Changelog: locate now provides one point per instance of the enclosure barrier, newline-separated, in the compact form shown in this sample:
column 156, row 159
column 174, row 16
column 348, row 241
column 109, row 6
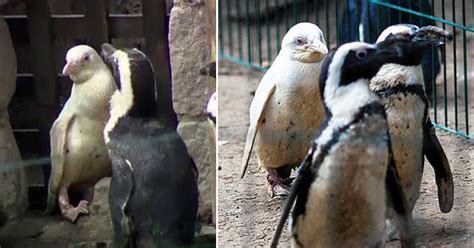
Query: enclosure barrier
column 250, row 33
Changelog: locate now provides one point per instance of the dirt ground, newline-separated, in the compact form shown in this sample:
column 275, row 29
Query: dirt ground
column 35, row 230
column 248, row 217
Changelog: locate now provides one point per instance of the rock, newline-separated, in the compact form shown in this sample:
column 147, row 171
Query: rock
column 190, row 43
column 196, row 135
column 95, row 228
column 190, row 50
column 13, row 188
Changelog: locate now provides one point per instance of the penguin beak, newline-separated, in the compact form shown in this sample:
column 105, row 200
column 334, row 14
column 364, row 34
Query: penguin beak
column 317, row 46
column 70, row 67
column 432, row 35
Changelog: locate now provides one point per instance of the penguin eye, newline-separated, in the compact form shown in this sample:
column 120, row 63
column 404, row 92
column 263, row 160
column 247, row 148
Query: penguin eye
column 361, row 54
column 85, row 58
column 299, row 41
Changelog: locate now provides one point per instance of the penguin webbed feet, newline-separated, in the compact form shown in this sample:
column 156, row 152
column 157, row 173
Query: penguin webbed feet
column 278, row 186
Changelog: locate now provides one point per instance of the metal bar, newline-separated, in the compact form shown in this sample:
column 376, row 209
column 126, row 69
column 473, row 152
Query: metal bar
column 417, row 13
column 295, row 12
column 249, row 38
column 466, row 98
column 433, row 76
column 306, row 11
column 268, row 33
column 242, row 62
column 326, row 15
column 316, row 11
column 453, row 131
column 277, row 21
column 229, row 28
column 445, row 83
column 239, row 28
column 337, row 20
column 221, row 31
column 287, row 24
column 455, row 70
column 259, row 32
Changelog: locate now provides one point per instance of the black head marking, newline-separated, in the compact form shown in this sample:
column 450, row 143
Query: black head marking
column 143, row 84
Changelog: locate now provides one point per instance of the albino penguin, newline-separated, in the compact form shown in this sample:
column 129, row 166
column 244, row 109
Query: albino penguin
column 401, row 89
column 286, row 109
column 78, row 154
column 348, row 175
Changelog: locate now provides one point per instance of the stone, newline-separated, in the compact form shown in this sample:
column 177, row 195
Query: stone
column 190, row 50
column 196, row 134
column 13, row 188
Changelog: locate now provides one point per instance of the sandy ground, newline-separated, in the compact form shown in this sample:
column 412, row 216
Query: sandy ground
column 248, row 217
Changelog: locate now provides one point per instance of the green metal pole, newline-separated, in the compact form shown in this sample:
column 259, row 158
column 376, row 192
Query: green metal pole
column 259, row 33
column 229, row 28
column 445, row 83
column 433, row 76
column 277, row 21
column 239, row 29
column 466, row 87
column 337, row 20
column 267, row 26
column 221, row 39
column 328, row 34
column 249, row 37
column 455, row 71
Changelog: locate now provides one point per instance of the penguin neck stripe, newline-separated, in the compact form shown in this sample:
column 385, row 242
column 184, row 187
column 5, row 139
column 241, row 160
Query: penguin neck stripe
column 126, row 88
column 400, row 88
column 374, row 108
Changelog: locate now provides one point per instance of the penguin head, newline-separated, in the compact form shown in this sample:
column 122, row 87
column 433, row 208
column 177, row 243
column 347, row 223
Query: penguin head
column 407, row 30
column 347, row 69
column 135, row 80
column 82, row 62
column 305, row 43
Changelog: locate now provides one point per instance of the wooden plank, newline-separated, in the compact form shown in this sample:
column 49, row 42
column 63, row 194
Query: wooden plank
column 41, row 54
column 67, row 27
column 155, row 29
column 96, row 22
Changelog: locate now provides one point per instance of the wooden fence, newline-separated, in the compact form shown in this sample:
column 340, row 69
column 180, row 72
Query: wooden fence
column 41, row 40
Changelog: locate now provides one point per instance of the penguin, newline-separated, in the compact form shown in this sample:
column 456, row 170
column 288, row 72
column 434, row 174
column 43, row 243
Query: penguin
column 348, row 175
column 401, row 89
column 79, row 158
column 286, row 109
column 153, row 191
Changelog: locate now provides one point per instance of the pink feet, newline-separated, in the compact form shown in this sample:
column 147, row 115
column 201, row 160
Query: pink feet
column 72, row 213
column 67, row 210
column 277, row 185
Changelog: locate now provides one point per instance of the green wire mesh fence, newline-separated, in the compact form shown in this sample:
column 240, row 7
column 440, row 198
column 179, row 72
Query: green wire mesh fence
column 250, row 33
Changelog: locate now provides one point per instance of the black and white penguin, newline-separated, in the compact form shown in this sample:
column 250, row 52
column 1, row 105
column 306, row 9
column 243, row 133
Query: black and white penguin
column 349, row 175
column 401, row 88
column 153, row 192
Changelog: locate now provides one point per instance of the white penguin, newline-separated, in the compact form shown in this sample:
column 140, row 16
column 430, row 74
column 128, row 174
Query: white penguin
column 79, row 157
column 286, row 109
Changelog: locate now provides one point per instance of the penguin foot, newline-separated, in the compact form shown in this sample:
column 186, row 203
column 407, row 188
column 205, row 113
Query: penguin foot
column 276, row 185
column 72, row 214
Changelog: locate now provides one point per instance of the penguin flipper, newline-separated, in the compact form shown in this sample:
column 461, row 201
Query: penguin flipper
column 259, row 102
column 436, row 156
column 295, row 189
column 400, row 204
column 58, row 137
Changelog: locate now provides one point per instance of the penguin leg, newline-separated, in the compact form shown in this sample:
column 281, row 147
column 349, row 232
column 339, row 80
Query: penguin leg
column 277, row 185
column 67, row 210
